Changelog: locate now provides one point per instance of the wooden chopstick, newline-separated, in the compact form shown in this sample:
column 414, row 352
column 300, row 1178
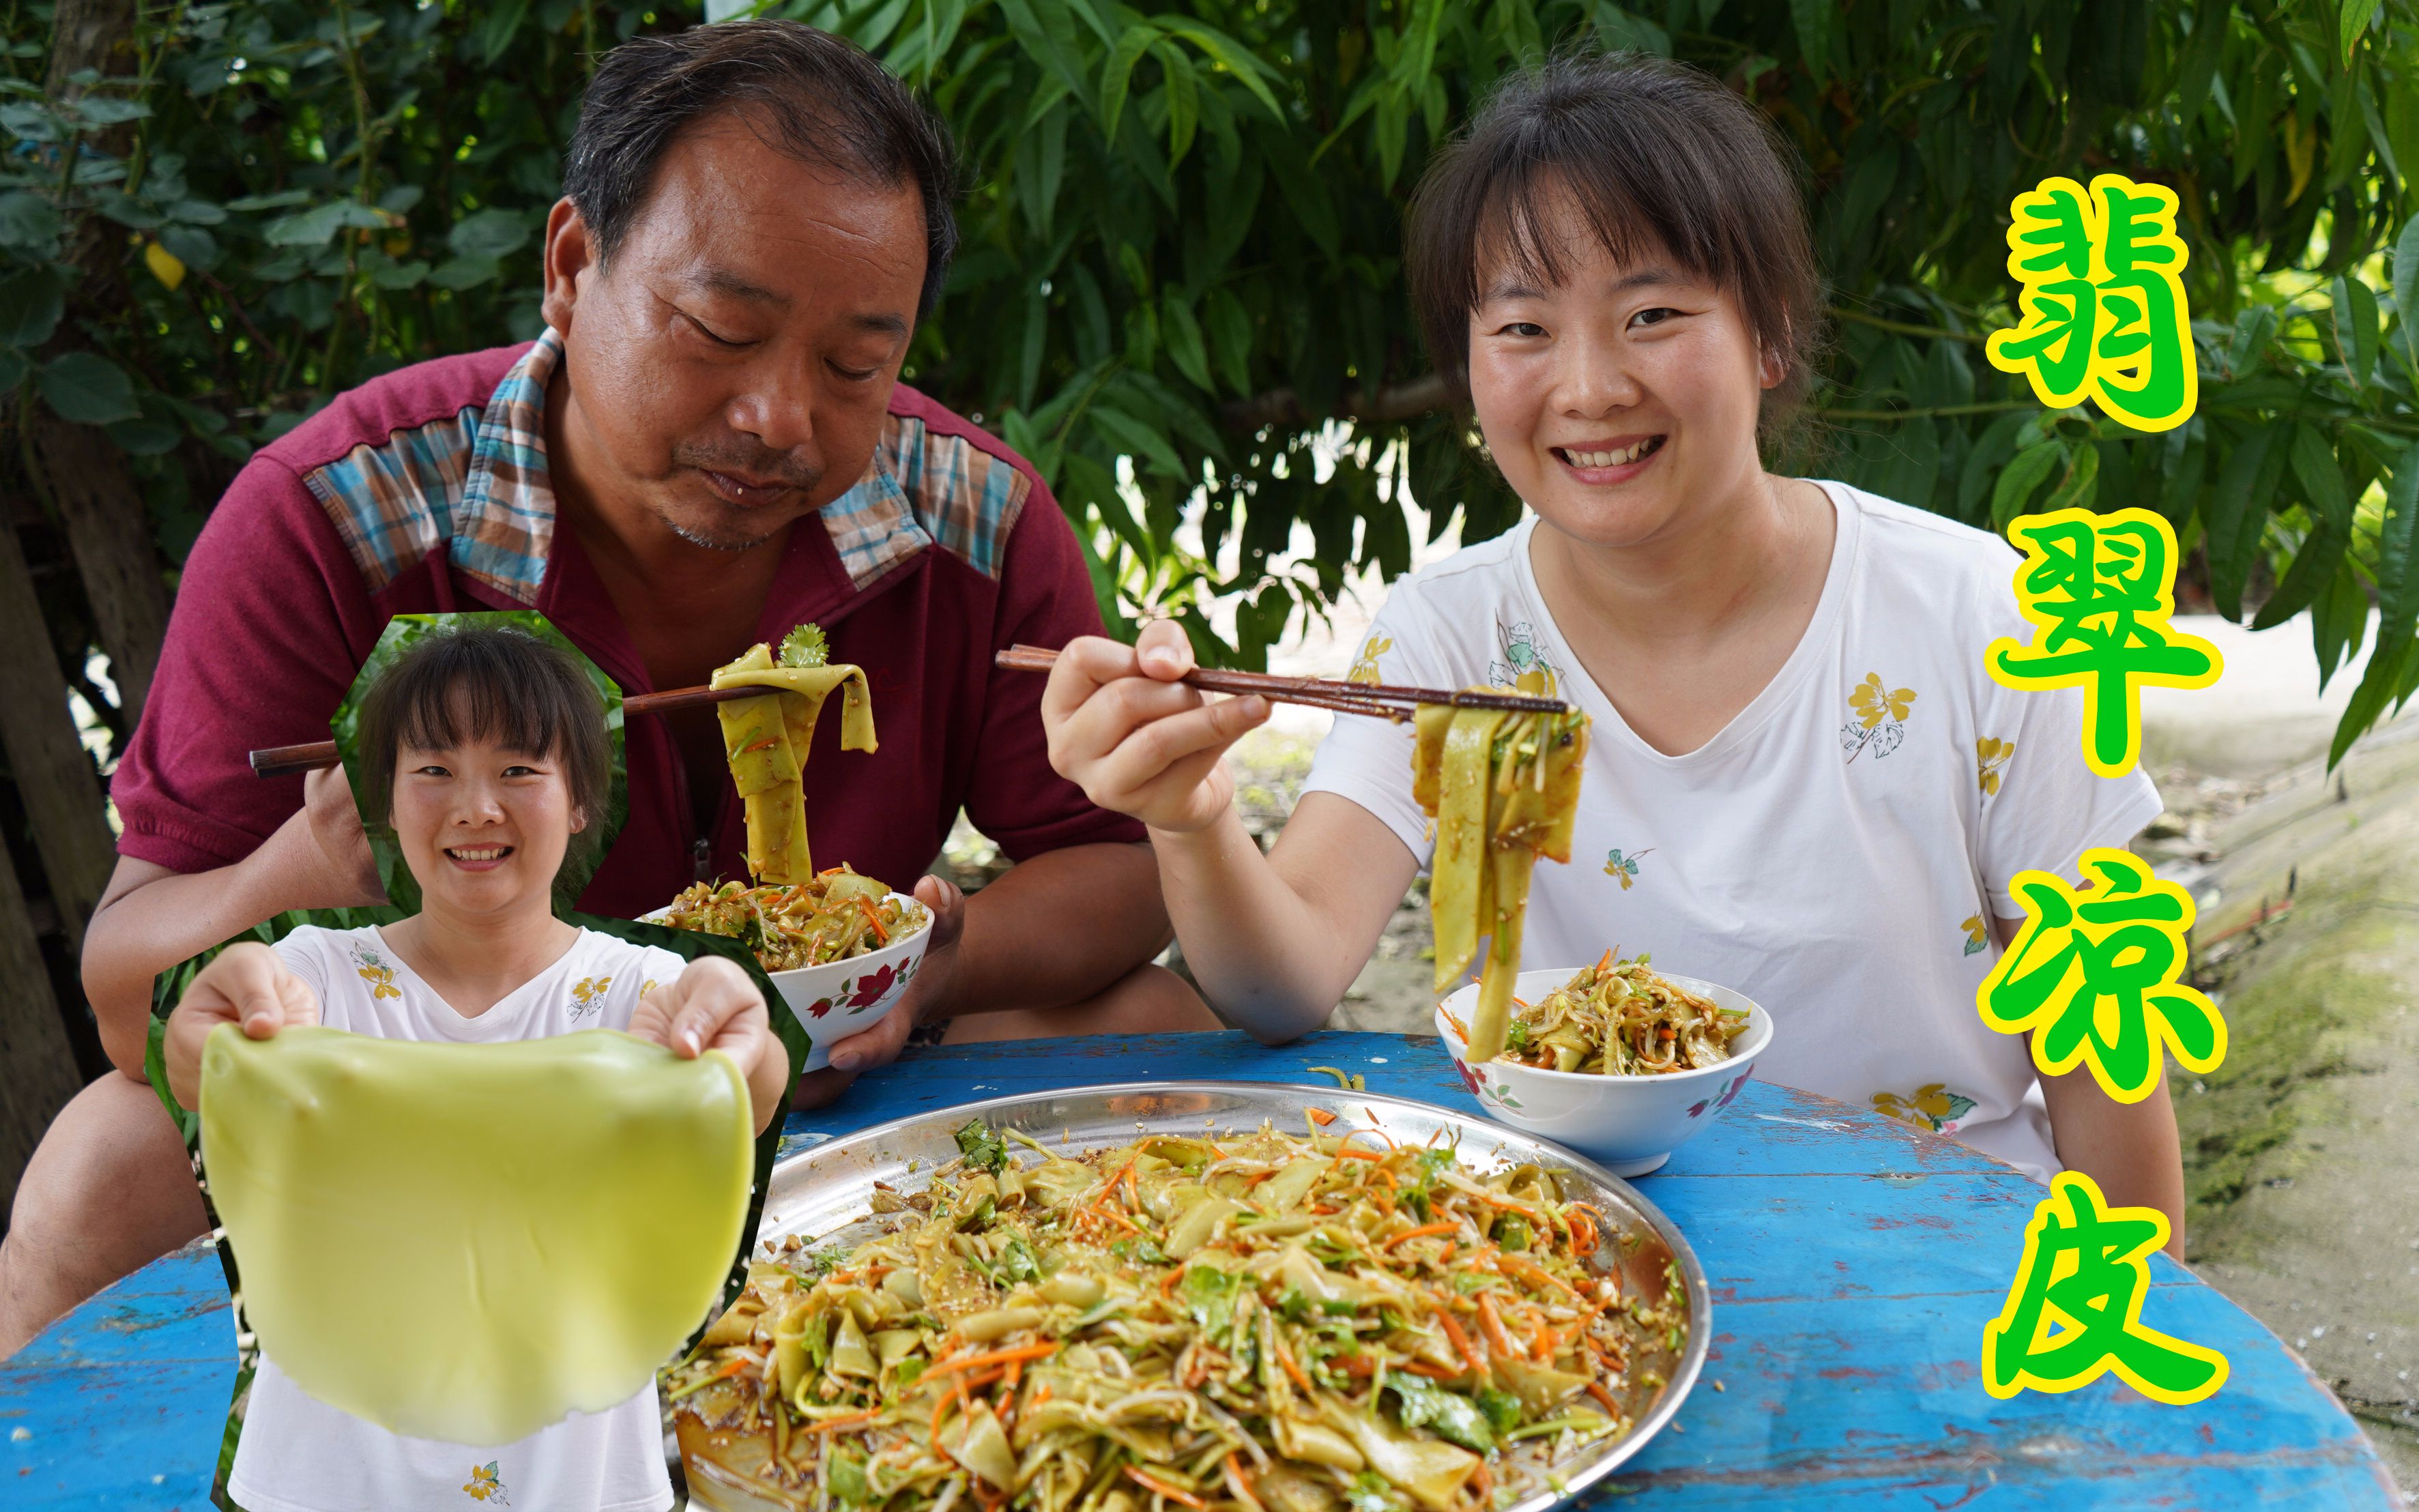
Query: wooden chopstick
column 1383, row 701
column 1386, row 701
column 286, row 761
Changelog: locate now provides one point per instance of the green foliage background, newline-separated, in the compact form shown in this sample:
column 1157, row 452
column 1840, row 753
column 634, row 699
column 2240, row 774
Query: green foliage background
column 1181, row 256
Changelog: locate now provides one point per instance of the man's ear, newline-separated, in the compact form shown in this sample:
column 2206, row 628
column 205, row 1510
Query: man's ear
column 568, row 253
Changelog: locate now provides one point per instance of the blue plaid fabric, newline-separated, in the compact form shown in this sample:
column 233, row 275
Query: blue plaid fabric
column 478, row 483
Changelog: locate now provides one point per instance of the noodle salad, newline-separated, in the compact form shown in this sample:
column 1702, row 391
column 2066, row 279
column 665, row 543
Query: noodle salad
column 837, row 914
column 1267, row 1323
column 1618, row 1018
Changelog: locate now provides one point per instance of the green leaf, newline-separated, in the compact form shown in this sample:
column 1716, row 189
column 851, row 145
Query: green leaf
column 2321, row 480
column 1982, row 464
column 2229, row 514
column 2081, row 482
column 87, row 389
column 26, row 220
column 491, row 233
column 2406, row 289
column 496, row 33
column 1229, row 330
column 13, row 368
column 318, row 226
column 2313, row 565
column 2355, row 322
column 984, row 1149
column 1812, row 19
column 459, row 273
column 1137, row 439
column 2338, row 620
column 30, row 306
column 1117, row 74
column 2397, row 551
column 144, row 438
column 2388, row 665
column 1231, row 55
column 2018, row 480
column 1447, row 1415
column 2252, row 330
column 1182, row 333
column 2356, row 17
column 102, row 111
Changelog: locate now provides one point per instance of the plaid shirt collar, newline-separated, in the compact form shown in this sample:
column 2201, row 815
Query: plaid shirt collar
column 505, row 529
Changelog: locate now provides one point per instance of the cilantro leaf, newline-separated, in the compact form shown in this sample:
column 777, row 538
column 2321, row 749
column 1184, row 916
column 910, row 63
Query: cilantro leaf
column 805, row 647
column 984, row 1150
column 1502, row 1409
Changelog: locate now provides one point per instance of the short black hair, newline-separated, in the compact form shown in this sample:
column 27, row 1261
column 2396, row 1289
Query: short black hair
column 826, row 100
column 1658, row 156
column 499, row 683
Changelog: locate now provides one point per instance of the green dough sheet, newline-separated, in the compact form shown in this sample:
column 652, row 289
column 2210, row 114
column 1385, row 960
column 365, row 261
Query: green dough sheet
column 466, row 1242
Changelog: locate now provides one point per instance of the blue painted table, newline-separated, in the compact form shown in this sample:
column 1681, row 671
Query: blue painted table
column 1853, row 1262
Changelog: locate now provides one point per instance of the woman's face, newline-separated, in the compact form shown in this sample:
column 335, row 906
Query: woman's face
column 1621, row 401
column 482, row 827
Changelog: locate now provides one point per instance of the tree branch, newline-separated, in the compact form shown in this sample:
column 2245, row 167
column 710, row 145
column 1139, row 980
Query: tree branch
column 1394, row 402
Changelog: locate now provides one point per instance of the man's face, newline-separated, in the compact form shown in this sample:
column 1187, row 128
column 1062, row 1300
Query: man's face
column 730, row 369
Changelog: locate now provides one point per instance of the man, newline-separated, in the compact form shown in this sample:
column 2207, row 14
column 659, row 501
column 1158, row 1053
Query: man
column 707, row 446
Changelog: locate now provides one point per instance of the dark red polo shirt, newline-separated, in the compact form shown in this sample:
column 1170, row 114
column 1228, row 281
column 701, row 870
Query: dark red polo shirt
column 425, row 490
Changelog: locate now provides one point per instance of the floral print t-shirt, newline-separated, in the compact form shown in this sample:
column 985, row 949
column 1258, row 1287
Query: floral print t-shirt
column 1837, row 851
column 297, row 1454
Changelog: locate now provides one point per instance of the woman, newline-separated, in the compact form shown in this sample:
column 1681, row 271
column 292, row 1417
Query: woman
column 1787, row 789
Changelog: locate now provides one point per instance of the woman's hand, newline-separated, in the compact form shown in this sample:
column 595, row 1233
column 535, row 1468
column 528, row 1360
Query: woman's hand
column 246, row 985
column 880, row 1046
column 1136, row 738
column 712, row 1005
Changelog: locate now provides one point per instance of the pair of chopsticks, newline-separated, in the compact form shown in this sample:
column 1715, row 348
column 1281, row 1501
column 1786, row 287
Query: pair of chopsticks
column 1383, row 701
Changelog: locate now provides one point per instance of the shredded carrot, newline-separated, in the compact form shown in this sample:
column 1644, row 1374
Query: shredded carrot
column 874, row 920
column 1493, row 1323
column 1321, row 1117
column 1380, row 1132
column 1530, row 1272
column 1239, row 1482
column 1430, row 1369
column 1605, row 1397
column 1458, row 1027
column 1114, row 1216
column 1604, row 965
column 976, row 1362
column 765, row 744
column 1041, row 1394
column 1161, row 1487
column 1462, row 1342
column 1284, row 1358
column 1347, row 1152
column 1421, row 1232
column 733, row 1366
column 829, row 1423
column 1483, row 1483
column 832, row 870
column 1167, row 1283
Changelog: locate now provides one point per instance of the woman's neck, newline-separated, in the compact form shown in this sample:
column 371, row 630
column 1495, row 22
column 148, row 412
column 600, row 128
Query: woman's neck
column 476, row 961
column 1683, row 630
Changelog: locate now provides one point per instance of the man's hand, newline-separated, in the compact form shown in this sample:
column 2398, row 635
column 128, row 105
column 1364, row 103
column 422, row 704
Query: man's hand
column 345, row 868
column 1137, row 740
column 880, row 1046
column 246, row 985
column 712, row 1005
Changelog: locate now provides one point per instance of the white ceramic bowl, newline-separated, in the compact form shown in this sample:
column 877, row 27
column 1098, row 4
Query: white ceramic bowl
column 1627, row 1125
column 844, row 997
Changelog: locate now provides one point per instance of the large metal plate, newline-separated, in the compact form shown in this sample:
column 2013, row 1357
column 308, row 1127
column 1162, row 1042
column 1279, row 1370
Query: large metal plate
column 823, row 1196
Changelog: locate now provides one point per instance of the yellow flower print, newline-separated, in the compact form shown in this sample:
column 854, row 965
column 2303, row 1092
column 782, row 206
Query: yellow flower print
column 1364, row 666
column 1977, row 934
column 1933, row 1107
column 1872, row 704
column 1989, row 755
column 588, row 994
column 1624, row 868
column 381, row 980
column 486, row 1485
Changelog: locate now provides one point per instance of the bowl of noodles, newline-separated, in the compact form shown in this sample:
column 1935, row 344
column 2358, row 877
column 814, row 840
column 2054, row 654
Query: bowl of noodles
column 841, row 949
column 1615, row 1060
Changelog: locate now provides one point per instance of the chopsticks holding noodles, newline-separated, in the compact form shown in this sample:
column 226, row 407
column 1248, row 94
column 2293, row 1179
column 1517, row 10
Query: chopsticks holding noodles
column 1384, row 701
column 286, row 761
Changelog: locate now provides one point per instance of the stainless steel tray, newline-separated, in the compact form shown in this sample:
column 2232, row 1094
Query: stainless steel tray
column 823, row 1195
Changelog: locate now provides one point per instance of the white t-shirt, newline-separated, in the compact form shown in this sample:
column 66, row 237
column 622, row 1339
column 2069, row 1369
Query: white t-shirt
column 297, row 1454
column 1831, row 851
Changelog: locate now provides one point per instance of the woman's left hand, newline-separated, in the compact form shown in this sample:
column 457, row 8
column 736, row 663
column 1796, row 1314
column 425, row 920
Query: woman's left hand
column 714, row 1006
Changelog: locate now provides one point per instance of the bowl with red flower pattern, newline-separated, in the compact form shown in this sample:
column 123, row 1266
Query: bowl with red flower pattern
column 848, row 996
column 1627, row 1125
